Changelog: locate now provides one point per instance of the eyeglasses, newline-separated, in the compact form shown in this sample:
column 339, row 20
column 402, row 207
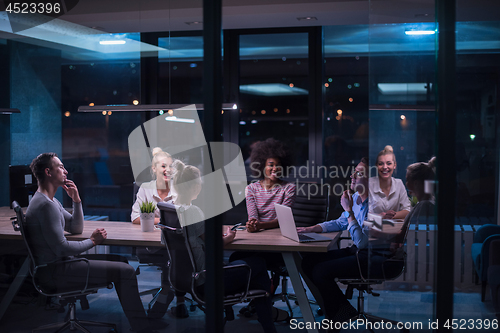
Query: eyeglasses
column 357, row 174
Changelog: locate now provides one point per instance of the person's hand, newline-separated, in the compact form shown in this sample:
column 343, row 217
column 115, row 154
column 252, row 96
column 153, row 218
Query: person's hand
column 389, row 214
column 70, row 188
column 253, row 225
column 230, row 234
column 314, row 228
column 346, row 201
column 304, row 229
column 98, row 236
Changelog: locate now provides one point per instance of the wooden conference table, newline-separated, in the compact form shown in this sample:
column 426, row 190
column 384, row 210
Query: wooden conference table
column 128, row 234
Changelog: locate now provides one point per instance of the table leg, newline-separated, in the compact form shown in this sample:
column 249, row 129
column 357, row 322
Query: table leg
column 14, row 287
column 292, row 259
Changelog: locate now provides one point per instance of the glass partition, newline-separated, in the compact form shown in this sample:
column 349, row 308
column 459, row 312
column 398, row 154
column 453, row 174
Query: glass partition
column 273, row 91
column 402, row 112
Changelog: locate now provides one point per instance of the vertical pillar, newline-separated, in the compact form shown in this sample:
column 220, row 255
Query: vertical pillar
column 446, row 170
column 212, row 127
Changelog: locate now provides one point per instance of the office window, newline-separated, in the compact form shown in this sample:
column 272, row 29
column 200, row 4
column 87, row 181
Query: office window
column 273, row 91
column 95, row 145
column 180, row 70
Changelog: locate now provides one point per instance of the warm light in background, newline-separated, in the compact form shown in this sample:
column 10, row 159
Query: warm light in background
column 287, row 110
column 91, row 104
column 351, row 99
column 222, row 112
column 339, row 112
column 67, row 113
column 263, row 111
column 403, row 117
column 109, row 113
column 275, row 109
column 253, row 112
column 170, row 112
column 103, row 113
column 291, row 85
column 327, row 85
column 135, row 102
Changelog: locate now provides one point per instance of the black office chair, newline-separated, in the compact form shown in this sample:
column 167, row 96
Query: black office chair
column 377, row 273
column 183, row 273
column 66, row 297
column 310, row 208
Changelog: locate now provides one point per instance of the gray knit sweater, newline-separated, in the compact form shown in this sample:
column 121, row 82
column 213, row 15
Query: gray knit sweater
column 46, row 221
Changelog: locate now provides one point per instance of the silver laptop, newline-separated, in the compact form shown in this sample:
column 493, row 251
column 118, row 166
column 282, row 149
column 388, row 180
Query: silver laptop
column 289, row 230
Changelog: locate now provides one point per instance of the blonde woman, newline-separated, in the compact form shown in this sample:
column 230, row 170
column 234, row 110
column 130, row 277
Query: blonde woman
column 387, row 195
column 187, row 184
column 159, row 190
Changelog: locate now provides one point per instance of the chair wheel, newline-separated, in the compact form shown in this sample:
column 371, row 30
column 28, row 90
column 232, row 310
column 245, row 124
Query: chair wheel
column 320, row 312
column 192, row 308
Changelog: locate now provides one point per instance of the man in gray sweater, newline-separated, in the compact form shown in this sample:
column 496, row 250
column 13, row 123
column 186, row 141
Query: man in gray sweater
column 46, row 221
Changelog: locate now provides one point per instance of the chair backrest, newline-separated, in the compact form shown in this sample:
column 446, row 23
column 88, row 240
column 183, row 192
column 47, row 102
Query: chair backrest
column 311, row 204
column 136, row 189
column 20, row 223
column 182, row 265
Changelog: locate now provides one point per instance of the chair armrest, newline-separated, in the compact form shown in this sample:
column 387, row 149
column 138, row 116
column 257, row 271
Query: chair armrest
column 85, row 289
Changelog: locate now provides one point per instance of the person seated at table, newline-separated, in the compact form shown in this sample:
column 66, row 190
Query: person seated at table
column 387, row 194
column 47, row 219
column 322, row 268
column 158, row 190
column 416, row 175
column 269, row 161
column 187, row 184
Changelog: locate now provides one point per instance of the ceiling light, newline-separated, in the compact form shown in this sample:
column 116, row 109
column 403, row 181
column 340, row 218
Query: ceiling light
column 180, row 120
column 9, row 111
column 145, row 107
column 419, row 32
column 307, row 18
column 272, row 89
column 403, row 88
column 112, row 42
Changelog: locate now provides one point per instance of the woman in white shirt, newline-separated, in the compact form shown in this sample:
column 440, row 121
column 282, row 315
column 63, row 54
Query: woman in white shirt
column 387, row 195
column 159, row 188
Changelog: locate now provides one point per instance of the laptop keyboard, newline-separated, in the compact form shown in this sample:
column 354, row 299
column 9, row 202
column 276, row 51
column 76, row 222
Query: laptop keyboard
column 303, row 237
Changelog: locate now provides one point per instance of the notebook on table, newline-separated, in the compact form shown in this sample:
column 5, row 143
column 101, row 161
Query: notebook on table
column 289, row 230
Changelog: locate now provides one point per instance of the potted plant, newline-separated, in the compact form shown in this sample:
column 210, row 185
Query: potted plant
column 147, row 215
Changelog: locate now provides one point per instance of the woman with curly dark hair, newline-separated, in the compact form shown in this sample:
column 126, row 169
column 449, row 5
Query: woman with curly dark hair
column 269, row 161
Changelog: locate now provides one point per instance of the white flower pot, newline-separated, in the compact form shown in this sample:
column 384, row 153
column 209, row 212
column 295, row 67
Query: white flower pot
column 147, row 222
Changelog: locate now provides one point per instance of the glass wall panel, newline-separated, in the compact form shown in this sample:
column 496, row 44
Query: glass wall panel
column 95, row 145
column 402, row 71
column 345, row 117
column 274, row 89
column 180, row 70
column 477, row 163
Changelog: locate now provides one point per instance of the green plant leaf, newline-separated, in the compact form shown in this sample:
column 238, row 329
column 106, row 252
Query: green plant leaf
column 147, row 207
